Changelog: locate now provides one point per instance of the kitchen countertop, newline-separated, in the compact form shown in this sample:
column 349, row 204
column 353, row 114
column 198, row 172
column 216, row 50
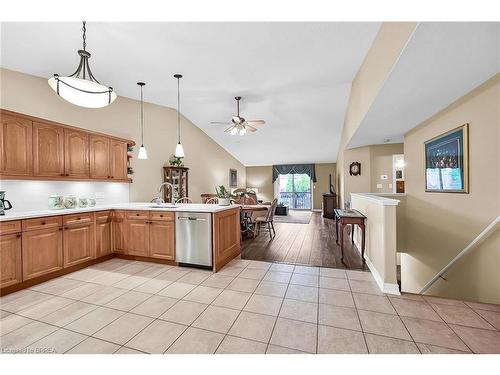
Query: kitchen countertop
column 184, row 207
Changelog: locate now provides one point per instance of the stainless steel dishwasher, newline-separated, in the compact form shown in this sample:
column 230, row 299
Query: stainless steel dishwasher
column 193, row 239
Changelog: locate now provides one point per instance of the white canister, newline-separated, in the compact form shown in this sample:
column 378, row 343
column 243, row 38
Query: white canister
column 56, row 202
column 91, row 202
column 70, row 201
column 224, row 201
column 83, row 202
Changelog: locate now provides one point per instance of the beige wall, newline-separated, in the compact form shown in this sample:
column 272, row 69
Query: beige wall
column 262, row 179
column 322, row 185
column 383, row 54
column 209, row 163
column 440, row 225
column 381, row 164
column 375, row 160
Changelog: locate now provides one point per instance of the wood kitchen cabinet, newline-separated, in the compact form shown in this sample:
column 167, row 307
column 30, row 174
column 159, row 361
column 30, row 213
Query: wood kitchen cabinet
column 118, row 160
column 137, row 237
column 10, row 259
column 118, row 232
column 100, row 157
column 48, row 150
column 226, row 233
column 76, row 154
column 42, row 251
column 78, row 239
column 16, row 146
column 103, row 234
column 162, row 239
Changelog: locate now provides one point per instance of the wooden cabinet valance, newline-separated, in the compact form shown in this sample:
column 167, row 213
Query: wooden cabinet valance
column 38, row 149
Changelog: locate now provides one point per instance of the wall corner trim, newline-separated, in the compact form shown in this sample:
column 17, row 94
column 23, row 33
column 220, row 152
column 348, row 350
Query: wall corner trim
column 387, row 288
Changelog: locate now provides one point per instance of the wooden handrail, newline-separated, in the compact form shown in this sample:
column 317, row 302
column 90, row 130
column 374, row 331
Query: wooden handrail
column 476, row 241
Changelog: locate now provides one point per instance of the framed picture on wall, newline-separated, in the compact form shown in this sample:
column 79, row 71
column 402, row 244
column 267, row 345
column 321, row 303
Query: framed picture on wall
column 233, row 178
column 447, row 162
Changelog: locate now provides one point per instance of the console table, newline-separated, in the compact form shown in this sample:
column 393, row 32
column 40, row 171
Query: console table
column 349, row 217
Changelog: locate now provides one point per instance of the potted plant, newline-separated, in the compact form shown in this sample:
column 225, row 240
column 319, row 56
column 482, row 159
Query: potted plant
column 175, row 161
column 130, row 150
column 223, row 195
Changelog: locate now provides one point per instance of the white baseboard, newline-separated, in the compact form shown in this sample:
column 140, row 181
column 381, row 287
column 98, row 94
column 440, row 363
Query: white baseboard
column 317, row 210
column 387, row 288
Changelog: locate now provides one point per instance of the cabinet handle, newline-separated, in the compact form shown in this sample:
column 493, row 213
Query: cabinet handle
column 18, row 235
column 161, row 215
column 43, row 222
column 67, row 174
column 66, row 228
column 60, row 228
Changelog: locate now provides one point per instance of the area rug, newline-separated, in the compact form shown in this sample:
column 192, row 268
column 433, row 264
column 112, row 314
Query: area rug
column 294, row 217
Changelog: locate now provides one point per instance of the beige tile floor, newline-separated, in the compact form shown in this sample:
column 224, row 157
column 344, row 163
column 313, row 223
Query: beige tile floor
column 122, row 306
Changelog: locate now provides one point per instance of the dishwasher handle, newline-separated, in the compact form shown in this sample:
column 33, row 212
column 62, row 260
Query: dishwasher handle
column 191, row 218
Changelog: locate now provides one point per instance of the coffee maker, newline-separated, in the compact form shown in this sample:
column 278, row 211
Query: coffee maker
column 4, row 203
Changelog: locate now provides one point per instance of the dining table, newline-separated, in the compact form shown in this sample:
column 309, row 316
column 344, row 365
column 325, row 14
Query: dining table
column 247, row 225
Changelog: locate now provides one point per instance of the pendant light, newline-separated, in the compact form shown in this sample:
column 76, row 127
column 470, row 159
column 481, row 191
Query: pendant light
column 179, row 150
column 81, row 88
column 142, row 150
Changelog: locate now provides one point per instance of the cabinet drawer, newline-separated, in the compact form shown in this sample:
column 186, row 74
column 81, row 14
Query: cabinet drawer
column 78, row 219
column 137, row 215
column 165, row 216
column 8, row 227
column 42, row 223
column 103, row 216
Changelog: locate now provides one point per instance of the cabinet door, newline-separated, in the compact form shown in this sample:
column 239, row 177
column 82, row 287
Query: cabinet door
column 118, row 232
column 42, row 252
column 99, row 157
column 162, row 240
column 103, row 238
column 118, row 163
column 48, row 150
column 137, row 237
column 76, row 154
column 15, row 146
column 10, row 260
column 78, row 244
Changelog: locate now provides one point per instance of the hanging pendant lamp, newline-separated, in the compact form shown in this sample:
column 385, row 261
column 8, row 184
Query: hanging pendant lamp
column 179, row 150
column 81, row 88
column 142, row 150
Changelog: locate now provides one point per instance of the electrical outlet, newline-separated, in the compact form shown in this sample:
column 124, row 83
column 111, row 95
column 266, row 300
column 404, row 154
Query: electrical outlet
column 390, row 186
column 379, row 186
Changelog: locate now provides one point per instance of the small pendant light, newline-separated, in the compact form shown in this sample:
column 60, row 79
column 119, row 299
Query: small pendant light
column 179, row 150
column 142, row 150
column 82, row 88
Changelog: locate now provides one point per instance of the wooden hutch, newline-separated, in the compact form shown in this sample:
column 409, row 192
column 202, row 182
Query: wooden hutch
column 178, row 177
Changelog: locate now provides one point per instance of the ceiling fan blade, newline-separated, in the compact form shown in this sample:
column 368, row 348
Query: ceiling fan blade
column 228, row 129
column 256, row 122
column 220, row 123
column 250, row 128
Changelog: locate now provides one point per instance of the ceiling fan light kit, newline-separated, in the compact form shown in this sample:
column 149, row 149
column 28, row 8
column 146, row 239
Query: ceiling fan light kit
column 239, row 126
column 82, row 88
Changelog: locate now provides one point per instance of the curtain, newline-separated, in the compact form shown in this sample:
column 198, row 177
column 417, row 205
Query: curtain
column 294, row 168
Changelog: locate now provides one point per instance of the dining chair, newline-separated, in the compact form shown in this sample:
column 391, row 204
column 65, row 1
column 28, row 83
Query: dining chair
column 184, row 200
column 213, row 200
column 267, row 220
column 249, row 199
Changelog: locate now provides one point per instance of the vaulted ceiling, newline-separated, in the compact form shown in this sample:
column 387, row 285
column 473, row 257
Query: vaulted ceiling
column 295, row 76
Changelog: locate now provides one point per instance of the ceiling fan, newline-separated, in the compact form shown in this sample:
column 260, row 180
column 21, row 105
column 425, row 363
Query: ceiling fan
column 239, row 126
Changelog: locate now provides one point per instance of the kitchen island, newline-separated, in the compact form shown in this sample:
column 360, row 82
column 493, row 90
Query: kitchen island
column 42, row 244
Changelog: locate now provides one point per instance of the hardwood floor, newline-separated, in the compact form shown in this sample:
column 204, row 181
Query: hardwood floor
column 312, row 244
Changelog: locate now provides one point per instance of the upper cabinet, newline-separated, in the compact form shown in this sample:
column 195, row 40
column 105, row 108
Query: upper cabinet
column 16, row 156
column 76, row 153
column 99, row 157
column 48, row 150
column 119, row 160
column 33, row 148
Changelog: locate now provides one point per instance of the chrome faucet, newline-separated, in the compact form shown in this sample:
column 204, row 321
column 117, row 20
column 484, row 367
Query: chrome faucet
column 159, row 200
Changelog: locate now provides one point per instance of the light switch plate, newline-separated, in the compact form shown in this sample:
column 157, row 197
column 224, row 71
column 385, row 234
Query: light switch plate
column 390, row 186
column 383, row 177
column 379, row 186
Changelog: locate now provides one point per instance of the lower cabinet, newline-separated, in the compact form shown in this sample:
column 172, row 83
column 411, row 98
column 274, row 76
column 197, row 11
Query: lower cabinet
column 137, row 237
column 42, row 252
column 162, row 240
column 103, row 234
column 10, row 259
column 79, row 245
column 118, row 232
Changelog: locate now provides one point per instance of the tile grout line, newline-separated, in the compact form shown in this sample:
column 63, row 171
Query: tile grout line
column 404, row 325
column 359, row 319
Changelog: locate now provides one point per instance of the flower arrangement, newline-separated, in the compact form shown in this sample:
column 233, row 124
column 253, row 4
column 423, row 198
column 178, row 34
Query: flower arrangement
column 175, row 161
